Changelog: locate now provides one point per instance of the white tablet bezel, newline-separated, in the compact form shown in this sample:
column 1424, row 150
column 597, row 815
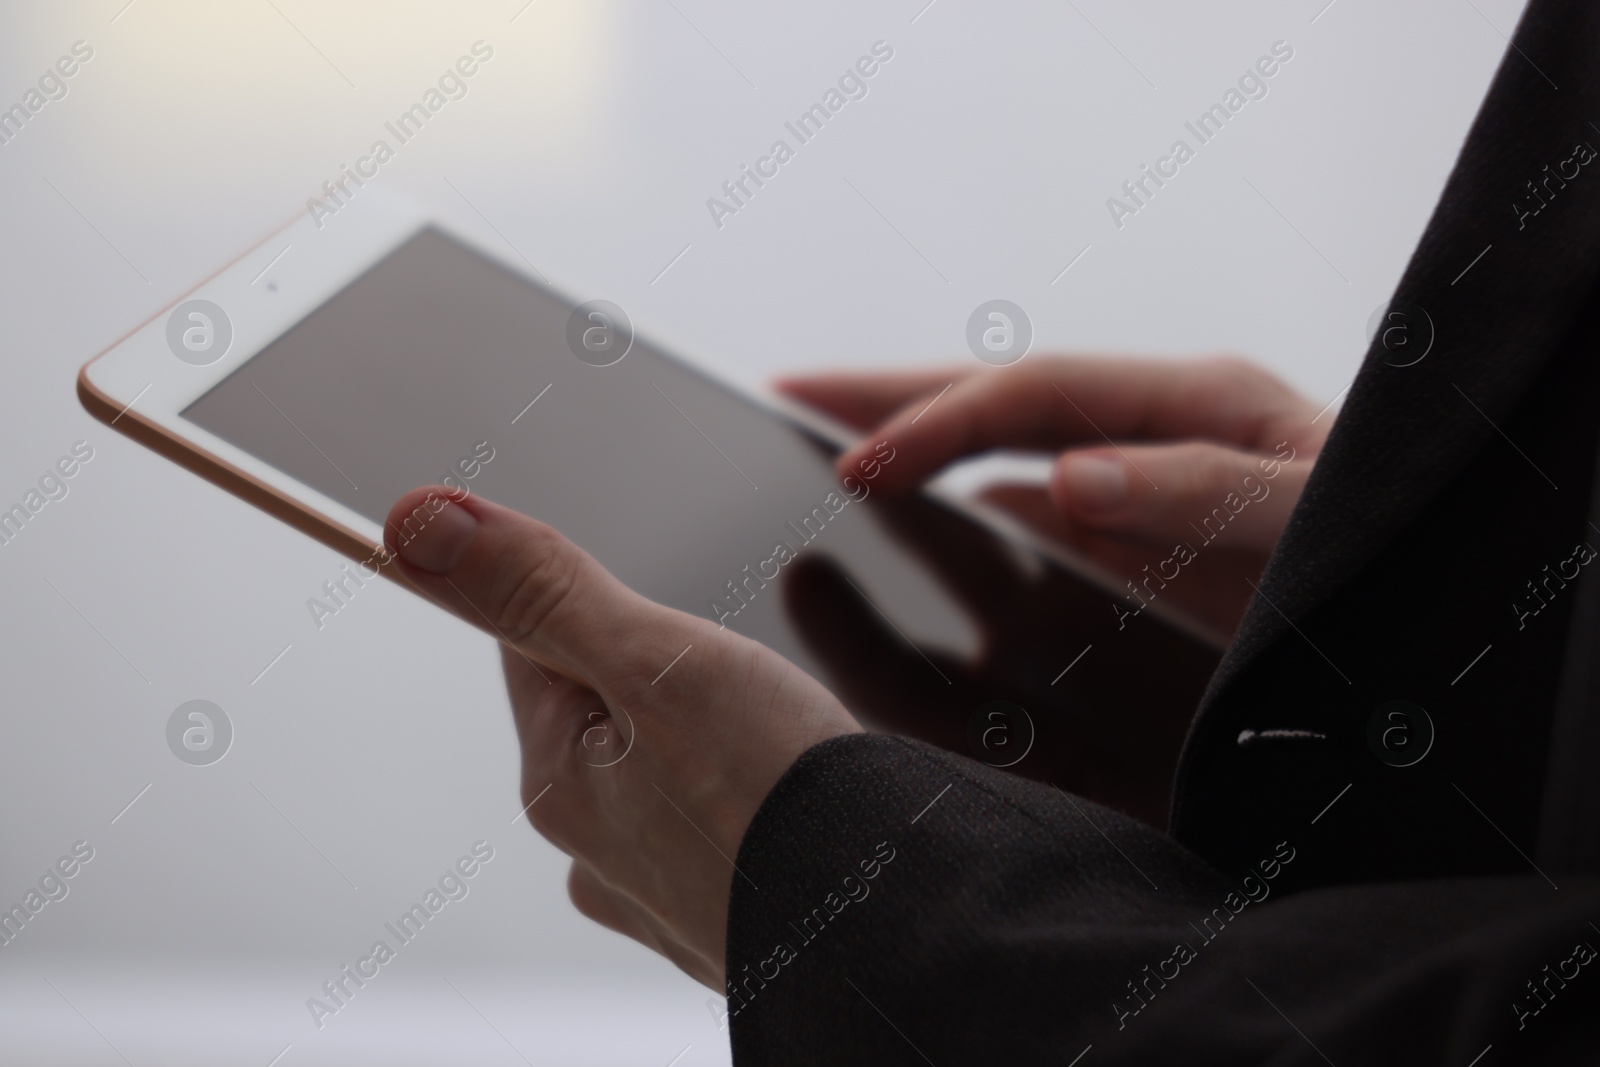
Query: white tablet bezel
column 140, row 387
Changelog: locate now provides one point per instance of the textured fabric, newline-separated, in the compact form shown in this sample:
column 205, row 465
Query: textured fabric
column 1405, row 431
column 1013, row 924
column 1316, row 901
column 1569, row 828
column 1444, row 591
column 1445, row 487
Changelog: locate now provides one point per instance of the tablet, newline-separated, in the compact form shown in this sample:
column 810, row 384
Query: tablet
column 333, row 368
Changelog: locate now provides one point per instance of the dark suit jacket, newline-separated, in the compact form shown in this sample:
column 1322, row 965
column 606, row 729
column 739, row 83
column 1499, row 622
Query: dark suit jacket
column 1386, row 821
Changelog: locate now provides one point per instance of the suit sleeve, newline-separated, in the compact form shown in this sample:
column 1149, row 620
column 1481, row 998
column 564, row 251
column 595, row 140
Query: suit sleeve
column 894, row 903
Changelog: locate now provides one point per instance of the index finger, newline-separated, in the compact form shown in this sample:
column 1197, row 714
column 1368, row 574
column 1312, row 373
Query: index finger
column 863, row 400
column 1050, row 404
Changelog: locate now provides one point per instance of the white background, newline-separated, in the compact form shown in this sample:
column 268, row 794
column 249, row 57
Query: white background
column 980, row 162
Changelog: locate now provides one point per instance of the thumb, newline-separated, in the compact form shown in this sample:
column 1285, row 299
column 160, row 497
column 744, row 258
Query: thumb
column 539, row 593
column 1154, row 494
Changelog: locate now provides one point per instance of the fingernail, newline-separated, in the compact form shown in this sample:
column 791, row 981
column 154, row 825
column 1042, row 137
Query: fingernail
column 1094, row 486
column 441, row 542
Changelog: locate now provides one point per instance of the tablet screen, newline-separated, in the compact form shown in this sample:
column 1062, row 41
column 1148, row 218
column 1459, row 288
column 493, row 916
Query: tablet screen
column 437, row 363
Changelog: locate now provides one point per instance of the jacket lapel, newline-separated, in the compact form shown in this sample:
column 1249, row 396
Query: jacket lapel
column 1506, row 262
